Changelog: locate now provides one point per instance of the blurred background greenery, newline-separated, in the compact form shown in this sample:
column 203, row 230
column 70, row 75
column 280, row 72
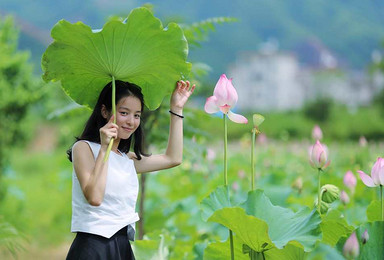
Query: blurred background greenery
column 38, row 122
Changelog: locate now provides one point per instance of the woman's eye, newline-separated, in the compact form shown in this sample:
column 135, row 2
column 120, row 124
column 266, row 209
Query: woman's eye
column 137, row 116
column 123, row 113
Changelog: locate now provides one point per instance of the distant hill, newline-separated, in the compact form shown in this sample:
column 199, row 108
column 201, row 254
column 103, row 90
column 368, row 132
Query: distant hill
column 351, row 30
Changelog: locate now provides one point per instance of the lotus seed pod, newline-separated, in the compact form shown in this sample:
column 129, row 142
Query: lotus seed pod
column 257, row 120
column 330, row 193
column 323, row 207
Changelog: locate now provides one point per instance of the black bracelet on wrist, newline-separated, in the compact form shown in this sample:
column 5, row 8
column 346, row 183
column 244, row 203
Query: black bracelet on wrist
column 173, row 113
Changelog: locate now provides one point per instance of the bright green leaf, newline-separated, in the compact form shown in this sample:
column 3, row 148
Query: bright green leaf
column 334, row 226
column 219, row 251
column 285, row 226
column 289, row 252
column 374, row 211
column 218, row 199
column 140, row 51
column 150, row 249
column 250, row 230
column 374, row 248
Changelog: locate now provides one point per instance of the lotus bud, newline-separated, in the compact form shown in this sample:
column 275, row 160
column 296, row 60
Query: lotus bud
column 298, row 184
column 330, row 193
column 365, row 237
column 350, row 180
column 344, row 197
column 351, row 247
column 362, row 141
column 241, row 174
column 318, row 156
column 261, row 139
column 211, row 154
column 317, row 134
column 235, row 186
column 323, row 207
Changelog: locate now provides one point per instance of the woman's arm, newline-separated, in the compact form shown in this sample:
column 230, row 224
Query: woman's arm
column 174, row 152
column 92, row 174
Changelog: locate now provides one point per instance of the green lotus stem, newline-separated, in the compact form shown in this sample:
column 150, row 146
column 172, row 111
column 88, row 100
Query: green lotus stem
column 253, row 159
column 226, row 178
column 319, row 192
column 114, row 117
column 381, row 201
column 225, row 149
column 231, row 243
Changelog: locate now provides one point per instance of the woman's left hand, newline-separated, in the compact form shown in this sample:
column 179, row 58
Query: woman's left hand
column 180, row 95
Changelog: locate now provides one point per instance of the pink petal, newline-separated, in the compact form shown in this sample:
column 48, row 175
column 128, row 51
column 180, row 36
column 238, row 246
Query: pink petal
column 210, row 105
column 326, row 165
column 316, row 153
column 375, row 171
column 367, row 180
column 380, row 172
column 220, row 90
column 225, row 92
column 232, row 94
column 237, row 118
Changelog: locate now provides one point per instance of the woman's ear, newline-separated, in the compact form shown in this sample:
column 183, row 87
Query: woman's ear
column 104, row 112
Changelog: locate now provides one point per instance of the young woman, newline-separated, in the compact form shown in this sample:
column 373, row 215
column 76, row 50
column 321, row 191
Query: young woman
column 104, row 194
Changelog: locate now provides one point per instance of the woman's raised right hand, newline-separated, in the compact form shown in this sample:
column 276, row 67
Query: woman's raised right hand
column 108, row 132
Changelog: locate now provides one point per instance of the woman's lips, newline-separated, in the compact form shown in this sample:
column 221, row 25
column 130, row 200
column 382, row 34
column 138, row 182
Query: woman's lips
column 128, row 129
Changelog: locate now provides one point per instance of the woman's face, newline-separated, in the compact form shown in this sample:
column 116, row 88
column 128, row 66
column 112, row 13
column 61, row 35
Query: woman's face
column 128, row 113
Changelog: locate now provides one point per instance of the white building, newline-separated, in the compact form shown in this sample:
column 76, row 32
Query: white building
column 271, row 80
column 267, row 81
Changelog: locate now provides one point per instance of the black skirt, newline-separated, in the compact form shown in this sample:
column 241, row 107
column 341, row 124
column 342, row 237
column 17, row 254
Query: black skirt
column 94, row 247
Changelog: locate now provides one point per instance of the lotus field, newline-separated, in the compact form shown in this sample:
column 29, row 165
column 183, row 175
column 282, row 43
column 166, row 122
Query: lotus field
column 268, row 206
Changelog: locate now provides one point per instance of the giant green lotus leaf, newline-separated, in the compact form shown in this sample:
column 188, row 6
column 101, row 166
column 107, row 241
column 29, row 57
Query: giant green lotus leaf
column 374, row 211
column 252, row 231
column 374, row 248
column 218, row 199
column 285, row 226
column 140, row 51
column 334, row 226
column 221, row 250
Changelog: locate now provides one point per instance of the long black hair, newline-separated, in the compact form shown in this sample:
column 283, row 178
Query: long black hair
column 96, row 120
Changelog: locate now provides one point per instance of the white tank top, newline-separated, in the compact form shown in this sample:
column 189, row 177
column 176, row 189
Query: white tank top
column 118, row 207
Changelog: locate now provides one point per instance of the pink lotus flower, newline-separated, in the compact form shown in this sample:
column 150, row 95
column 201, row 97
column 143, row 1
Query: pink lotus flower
column 224, row 98
column 351, row 247
column 377, row 174
column 344, row 197
column 318, row 157
column 362, row 141
column 349, row 180
column 317, row 134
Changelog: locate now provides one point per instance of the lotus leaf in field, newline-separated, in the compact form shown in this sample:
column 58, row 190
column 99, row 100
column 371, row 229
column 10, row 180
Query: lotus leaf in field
column 374, row 247
column 285, row 226
column 139, row 50
column 374, row 211
column 334, row 226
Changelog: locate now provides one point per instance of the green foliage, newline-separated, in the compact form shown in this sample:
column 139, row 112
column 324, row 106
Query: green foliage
column 378, row 100
column 18, row 90
column 334, row 226
column 11, row 240
column 374, row 211
column 140, row 51
column 199, row 31
column 374, row 248
column 319, row 110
